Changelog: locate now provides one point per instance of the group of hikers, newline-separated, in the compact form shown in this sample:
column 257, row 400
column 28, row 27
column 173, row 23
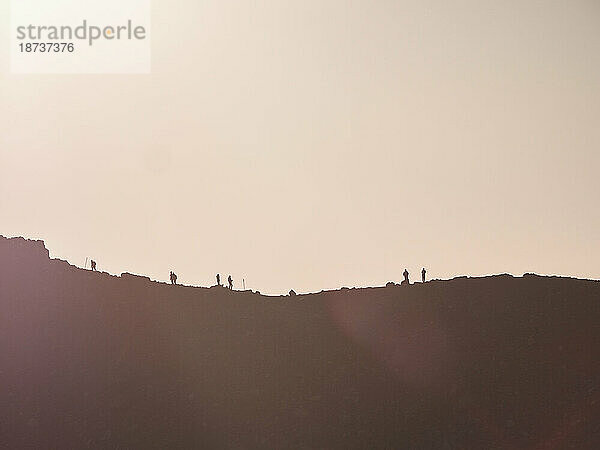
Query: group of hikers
column 229, row 281
column 407, row 281
column 173, row 278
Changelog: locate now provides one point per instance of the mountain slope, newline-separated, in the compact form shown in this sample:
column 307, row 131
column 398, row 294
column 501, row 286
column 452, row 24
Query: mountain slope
column 90, row 360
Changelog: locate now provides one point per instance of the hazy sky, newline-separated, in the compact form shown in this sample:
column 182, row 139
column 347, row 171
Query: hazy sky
column 319, row 144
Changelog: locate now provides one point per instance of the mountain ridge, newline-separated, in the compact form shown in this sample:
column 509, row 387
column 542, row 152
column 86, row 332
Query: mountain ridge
column 37, row 246
column 93, row 360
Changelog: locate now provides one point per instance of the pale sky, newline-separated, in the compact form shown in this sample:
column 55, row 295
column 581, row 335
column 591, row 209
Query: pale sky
column 319, row 144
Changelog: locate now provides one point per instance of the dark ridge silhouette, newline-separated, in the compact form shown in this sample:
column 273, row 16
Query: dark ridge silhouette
column 90, row 360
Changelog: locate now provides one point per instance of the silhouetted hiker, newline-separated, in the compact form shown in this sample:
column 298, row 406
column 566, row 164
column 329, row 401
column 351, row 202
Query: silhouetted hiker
column 423, row 272
column 230, row 281
column 93, row 265
column 173, row 278
column 406, row 277
column 218, row 279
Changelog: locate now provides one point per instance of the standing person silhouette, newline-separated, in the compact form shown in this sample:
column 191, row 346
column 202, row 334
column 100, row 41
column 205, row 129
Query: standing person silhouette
column 423, row 273
column 406, row 276
column 230, row 281
column 93, row 265
column 218, row 279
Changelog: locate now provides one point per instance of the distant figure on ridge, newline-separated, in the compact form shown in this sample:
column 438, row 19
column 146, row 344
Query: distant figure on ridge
column 173, row 278
column 93, row 265
column 423, row 273
column 218, row 279
column 406, row 280
column 230, row 281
